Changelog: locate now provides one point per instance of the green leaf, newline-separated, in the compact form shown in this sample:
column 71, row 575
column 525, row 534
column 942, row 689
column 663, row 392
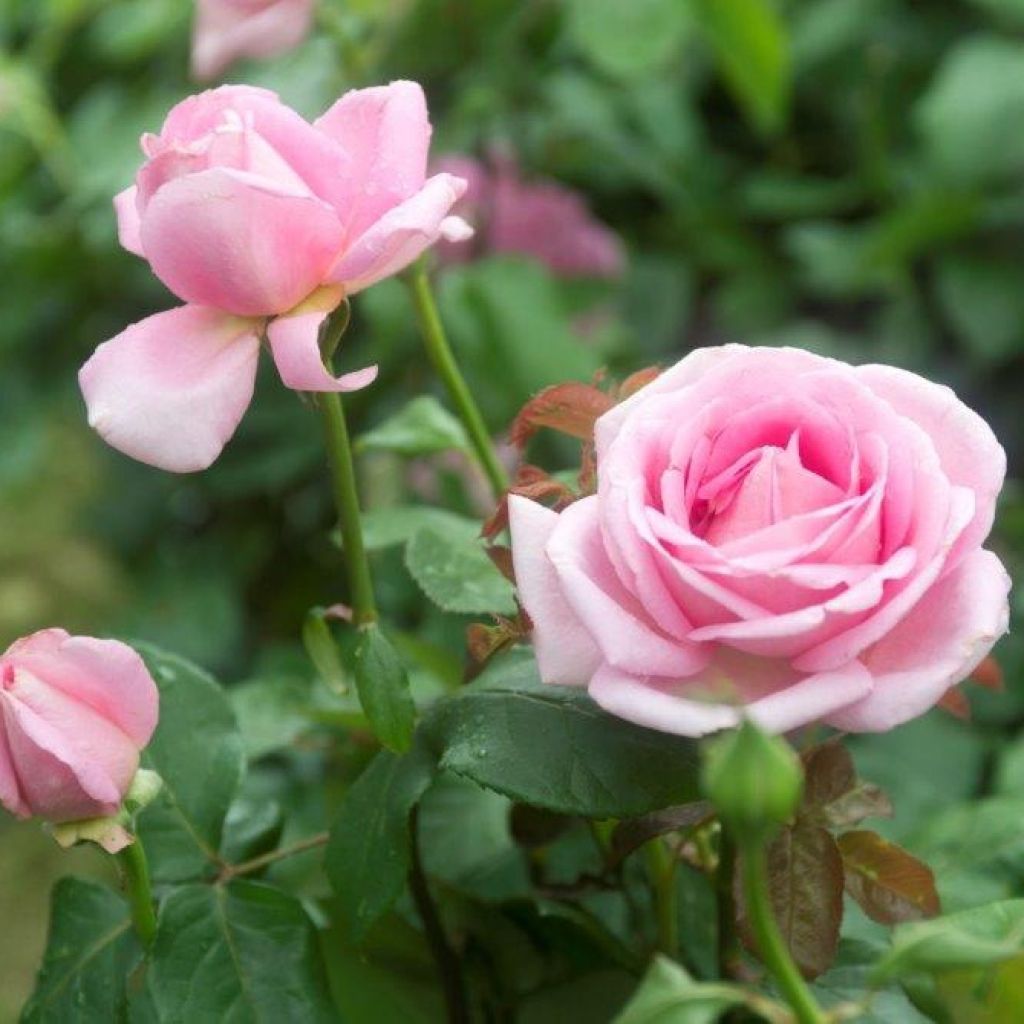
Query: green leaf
column 752, row 47
column 455, row 573
column 422, row 427
column 628, row 40
column 243, row 952
column 668, row 995
column 272, row 712
column 368, row 854
column 323, row 651
column 971, row 938
column 197, row 750
column 552, row 747
column 383, row 686
column 389, row 527
column 89, row 954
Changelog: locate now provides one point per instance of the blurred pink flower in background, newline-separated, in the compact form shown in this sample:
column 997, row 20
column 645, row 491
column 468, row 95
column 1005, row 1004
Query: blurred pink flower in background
column 541, row 219
column 225, row 30
column 261, row 223
column 76, row 713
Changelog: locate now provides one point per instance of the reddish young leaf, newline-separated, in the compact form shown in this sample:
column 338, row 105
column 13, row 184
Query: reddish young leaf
column 571, row 408
column 631, row 833
column 635, row 381
column 530, row 482
column 501, row 556
column 955, row 702
column 828, row 773
column 805, row 879
column 484, row 641
column 865, row 800
column 988, row 674
column 890, row 884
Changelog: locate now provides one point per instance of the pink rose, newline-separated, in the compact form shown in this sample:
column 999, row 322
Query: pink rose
column 76, row 713
column 541, row 219
column 261, row 223
column 225, row 30
column 776, row 531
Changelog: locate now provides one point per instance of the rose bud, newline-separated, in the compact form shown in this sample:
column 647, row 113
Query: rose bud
column 76, row 713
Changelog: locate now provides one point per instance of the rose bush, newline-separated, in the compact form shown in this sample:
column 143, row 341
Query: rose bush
column 777, row 531
column 261, row 223
column 225, row 30
column 76, row 713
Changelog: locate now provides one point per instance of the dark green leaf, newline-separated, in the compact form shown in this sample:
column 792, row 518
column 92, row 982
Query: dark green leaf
column 242, row 952
column 383, row 686
column 89, row 954
column 272, row 712
column 197, row 751
column 553, row 747
column 455, row 573
column 422, row 427
column 668, row 995
column 368, row 854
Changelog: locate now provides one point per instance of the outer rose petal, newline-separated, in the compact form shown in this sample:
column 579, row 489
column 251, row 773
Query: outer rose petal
column 566, row 652
column 937, row 645
column 10, row 791
column 295, row 346
column 171, row 389
column 386, row 132
column 128, row 226
column 106, row 675
column 399, row 236
column 660, row 704
column 968, row 450
column 228, row 29
column 240, row 243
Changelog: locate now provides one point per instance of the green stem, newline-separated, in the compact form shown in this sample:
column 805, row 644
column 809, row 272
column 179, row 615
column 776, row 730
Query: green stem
column 661, row 864
column 440, row 353
column 135, row 869
column 728, row 942
column 770, row 944
column 346, row 500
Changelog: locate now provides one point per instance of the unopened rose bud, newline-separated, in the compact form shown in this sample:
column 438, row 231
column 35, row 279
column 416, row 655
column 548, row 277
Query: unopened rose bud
column 754, row 780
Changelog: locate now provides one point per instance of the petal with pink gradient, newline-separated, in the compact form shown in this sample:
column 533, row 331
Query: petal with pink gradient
column 128, row 224
column 385, row 130
column 937, row 645
column 611, row 615
column 566, row 652
column 226, row 30
column 295, row 346
column 171, row 389
column 399, row 237
column 106, row 675
column 238, row 242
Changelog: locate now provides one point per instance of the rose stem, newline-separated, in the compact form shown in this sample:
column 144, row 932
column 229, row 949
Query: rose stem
column 770, row 945
column 728, row 945
column 661, row 864
column 135, row 870
column 444, row 956
column 440, row 353
column 266, row 859
column 346, row 500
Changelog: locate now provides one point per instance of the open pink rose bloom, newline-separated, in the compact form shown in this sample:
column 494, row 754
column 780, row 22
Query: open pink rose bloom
column 776, row 534
column 76, row 713
column 226, row 30
column 261, row 223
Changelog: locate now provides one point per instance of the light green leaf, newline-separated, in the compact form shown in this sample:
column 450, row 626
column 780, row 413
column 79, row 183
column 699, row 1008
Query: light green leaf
column 383, row 686
column 752, row 47
column 272, row 712
column 368, row 853
column 389, row 527
column 197, row 751
column 422, row 427
column 455, row 573
column 89, row 954
column 552, row 747
column 668, row 995
column 243, row 952
column 323, row 650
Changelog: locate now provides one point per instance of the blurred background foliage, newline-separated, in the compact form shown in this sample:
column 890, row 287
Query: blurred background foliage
column 844, row 176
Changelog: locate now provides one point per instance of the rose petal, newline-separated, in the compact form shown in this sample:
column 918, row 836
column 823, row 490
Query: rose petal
column 295, row 346
column 171, row 389
column 566, row 652
column 385, row 131
column 935, row 646
column 128, row 225
column 238, row 242
column 400, row 236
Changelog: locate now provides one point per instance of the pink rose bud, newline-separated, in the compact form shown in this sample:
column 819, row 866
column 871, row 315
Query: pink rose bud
column 776, row 531
column 541, row 219
column 226, row 30
column 261, row 223
column 76, row 713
